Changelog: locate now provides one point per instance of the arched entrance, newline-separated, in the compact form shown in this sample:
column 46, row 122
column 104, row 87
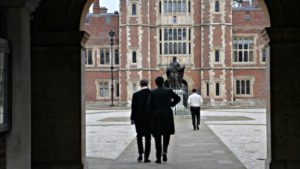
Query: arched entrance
column 54, row 114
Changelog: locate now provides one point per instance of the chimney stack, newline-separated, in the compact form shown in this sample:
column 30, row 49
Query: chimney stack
column 103, row 10
column 96, row 7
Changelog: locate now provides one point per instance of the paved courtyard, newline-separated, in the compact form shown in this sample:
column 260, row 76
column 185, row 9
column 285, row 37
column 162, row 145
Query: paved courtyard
column 227, row 139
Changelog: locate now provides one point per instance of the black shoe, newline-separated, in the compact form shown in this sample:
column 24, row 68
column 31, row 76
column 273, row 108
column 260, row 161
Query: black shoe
column 197, row 127
column 158, row 161
column 147, row 161
column 165, row 158
column 140, row 158
column 194, row 127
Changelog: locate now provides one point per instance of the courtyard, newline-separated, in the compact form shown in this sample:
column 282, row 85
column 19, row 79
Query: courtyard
column 227, row 139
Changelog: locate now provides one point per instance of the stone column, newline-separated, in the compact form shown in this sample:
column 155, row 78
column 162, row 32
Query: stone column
column 284, row 116
column 57, row 124
column 19, row 137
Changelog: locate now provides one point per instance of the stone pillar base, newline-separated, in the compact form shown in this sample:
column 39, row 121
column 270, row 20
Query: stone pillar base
column 284, row 165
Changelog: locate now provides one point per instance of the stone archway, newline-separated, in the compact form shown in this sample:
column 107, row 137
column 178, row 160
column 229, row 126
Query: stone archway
column 56, row 91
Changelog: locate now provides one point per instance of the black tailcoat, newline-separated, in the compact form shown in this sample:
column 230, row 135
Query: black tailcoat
column 139, row 113
column 159, row 104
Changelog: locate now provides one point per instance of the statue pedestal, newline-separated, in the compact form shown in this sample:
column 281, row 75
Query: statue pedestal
column 180, row 109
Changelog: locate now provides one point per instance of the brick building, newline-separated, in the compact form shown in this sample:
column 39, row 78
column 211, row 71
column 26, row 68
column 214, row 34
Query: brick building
column 98, row 55
column 223, row 46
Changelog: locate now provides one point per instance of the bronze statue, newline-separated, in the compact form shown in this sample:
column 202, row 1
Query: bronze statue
column 175, row 74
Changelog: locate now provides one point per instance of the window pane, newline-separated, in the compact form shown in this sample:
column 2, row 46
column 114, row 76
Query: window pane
column 175, row 34
column 207, row 89
column 179, row 34
column 248, row 87
column 235, row 56
column 243, row 87
column 250, row 43
column 102, row 57
column 170, row 48
column 117, row 86
column 174, row 6
column 166, row 48
column 184, row 34
column 246, row 43
column 246, row 56
column 217, row 89
column 238, row 87
column 190, row 50
column 251, row 56
column 175, row 48
column 179, row 48
column 107, row 58
column 174, row 19
column 217, row 56
column 166, row 34
column 133, row 57
column 165, row 7
column 133, row 9
column 179, row 7
column 170, row 34
column 184, row 48
column 217, row 6
column 235, row 44
column 160, row 48
column 170, row 6
column 183, row 6
column 240, row 56
column 189, row 6
column 160, row 35
column 117, row 56
column 159, row 6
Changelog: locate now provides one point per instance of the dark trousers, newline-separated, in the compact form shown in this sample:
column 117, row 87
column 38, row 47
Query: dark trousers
column 158, row 143
column 147, row 145
column 195, row 111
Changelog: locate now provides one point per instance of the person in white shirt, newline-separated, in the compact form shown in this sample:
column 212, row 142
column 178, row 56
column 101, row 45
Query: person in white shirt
column 194, row 101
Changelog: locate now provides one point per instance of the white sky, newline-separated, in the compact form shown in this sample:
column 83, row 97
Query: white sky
column 111, row 5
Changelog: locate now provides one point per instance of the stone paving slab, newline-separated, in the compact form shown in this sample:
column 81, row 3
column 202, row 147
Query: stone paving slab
column 188, row 149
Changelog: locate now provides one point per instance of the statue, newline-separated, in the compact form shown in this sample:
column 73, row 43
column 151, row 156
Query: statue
column 175, row 74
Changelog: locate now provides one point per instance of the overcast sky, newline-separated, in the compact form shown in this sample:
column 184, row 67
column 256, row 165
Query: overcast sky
column 111, row 5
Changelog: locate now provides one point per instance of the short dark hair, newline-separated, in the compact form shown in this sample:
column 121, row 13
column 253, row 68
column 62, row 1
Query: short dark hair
column 194, row 90
column 159, row 81
column 144, row 82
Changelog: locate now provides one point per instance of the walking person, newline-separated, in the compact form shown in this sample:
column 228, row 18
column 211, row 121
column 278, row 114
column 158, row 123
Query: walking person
column 162, row 121
column 194, row 101
column 140, row 117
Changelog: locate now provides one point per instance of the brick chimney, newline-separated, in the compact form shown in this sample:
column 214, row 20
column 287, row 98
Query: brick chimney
column 103, row 10
column 96, row 7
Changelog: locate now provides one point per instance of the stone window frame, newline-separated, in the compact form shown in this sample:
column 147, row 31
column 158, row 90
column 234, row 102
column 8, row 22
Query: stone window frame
column 116, row 88
column 115, row 52
column 106, row 49
column 254, row 49
column 220, row 82
column 179, row 41
column 217, row 2
column 130, row 12
column 134, row 50
column 178, row 7
column 220, row 55
column 86, row 56
column 264, row 50
column 206, row 89
column 133, row 9
column 244, row 78
column 98, row 86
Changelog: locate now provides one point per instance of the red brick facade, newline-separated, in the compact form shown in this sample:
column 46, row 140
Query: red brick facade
column 222, row 47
